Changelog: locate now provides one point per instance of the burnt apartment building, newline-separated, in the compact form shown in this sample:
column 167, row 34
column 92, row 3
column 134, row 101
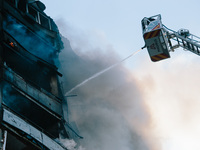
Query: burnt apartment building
column 33, row 111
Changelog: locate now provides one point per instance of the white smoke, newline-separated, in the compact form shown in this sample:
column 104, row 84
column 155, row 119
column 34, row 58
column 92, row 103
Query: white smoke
column 172, row 89
column 70, row 144
column 99, row 73
column 110, row 111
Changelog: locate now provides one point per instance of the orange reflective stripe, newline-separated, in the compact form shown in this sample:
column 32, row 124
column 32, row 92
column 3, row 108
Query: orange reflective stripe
column 155, row 58
column 147, row 35
column 154, row 33
column 159, row 57
column 151, row 34
column 162, row 56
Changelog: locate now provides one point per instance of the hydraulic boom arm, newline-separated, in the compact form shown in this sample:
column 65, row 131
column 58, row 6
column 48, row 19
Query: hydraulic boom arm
column 183, row 39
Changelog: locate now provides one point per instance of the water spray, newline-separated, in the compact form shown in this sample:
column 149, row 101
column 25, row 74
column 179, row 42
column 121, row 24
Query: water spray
column 101, row 72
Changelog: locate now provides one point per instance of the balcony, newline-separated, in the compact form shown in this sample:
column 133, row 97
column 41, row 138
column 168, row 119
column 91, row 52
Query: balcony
column 19, row 126
column 41, row 97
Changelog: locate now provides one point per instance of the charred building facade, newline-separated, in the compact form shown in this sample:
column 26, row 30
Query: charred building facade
column 31, row 100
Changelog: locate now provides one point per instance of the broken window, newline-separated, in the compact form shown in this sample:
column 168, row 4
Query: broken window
column 44, row 21
column 16, row 143
column 33, row 13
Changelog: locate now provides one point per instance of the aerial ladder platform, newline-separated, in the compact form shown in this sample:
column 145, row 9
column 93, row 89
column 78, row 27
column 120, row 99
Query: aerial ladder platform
column 161, row 40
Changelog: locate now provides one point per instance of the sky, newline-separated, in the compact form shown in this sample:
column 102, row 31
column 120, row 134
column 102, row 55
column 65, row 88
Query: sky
column 170, row 87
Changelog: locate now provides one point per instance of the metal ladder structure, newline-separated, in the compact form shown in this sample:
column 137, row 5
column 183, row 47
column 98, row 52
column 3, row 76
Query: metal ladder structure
column 183, row 39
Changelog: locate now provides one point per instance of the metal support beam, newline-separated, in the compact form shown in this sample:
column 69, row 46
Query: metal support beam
column 1, row 31
column 2, row 141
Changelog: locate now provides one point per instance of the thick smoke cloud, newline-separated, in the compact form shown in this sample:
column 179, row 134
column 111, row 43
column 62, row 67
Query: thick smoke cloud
column 109, row 110
column 172, row 90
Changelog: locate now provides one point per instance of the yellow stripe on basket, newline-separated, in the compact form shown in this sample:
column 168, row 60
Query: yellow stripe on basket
column 148, row 35
column 162, row 56
column 155, row 58
column 154, row 33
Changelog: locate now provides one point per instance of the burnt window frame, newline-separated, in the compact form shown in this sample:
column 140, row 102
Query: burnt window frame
column 33, row 13
column 45, row 21
column 40, row 18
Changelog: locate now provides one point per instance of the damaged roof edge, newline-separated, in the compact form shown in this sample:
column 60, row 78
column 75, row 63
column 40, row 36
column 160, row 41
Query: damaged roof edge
column 38, row 4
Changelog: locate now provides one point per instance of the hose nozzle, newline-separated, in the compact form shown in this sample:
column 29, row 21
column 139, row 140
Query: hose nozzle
column 144, row 46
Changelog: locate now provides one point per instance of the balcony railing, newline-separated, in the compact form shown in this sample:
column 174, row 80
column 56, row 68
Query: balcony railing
column 32, row 132
column 40, row 96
